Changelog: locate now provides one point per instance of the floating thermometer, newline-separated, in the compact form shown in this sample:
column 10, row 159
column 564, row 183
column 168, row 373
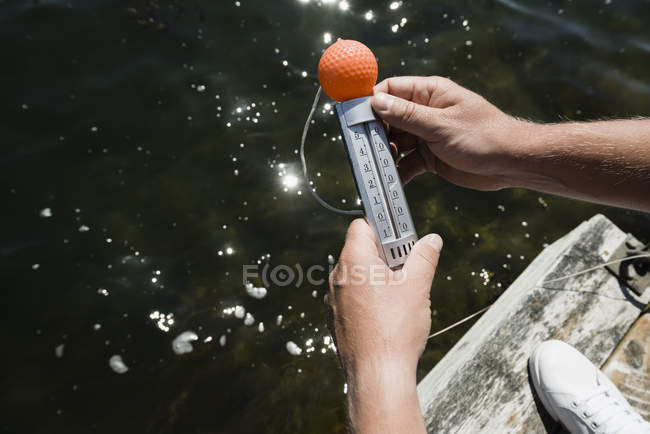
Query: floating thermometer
column 347, row 72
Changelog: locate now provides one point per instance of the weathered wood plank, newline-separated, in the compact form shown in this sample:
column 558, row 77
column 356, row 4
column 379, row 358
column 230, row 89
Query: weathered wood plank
column 629, row 366
column 482, row 384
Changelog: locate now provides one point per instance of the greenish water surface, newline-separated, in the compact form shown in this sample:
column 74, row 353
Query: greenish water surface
column 148, row 154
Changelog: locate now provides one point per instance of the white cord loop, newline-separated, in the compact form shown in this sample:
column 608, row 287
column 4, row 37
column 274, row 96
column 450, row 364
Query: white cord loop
column 304, row 165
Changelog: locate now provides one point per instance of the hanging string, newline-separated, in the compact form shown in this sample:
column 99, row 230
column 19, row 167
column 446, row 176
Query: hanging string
column 629, row 258
column 456, row 324
column 304, row 165
column 588, row 270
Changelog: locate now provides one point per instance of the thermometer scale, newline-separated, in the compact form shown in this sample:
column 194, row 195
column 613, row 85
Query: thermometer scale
column 347, row 72
column 376, row 178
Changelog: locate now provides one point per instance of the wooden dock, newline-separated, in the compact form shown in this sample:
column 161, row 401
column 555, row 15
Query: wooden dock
column 482, row 384
column 629, row 366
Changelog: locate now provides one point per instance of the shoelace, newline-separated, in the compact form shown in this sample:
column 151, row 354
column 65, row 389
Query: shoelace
column 608, row 414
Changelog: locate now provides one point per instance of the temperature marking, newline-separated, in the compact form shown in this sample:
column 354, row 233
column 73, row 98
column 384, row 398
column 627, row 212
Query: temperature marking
column 390, row 176
column 372, row 184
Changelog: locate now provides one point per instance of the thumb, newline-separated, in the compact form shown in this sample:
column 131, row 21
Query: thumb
column 360, row 244
column 423, row 258
column 406, row 115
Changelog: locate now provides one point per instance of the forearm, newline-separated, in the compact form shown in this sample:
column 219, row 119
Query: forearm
column 382, row 398
column 606, row 162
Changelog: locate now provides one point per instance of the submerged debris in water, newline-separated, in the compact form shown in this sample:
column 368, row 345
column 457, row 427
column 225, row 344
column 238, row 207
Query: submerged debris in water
column 117, row 365
column 83, row 228
column 249, row 320
column 222, row 340
column 256, row 292
column 278, row 320
column 182, row 344
column 293, row 349
column 58, row 351
column 46, row 213
column 260, row 327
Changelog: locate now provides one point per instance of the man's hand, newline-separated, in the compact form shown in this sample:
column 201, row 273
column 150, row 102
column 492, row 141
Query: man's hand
column 380, row 320
column 452, row 131
column 460, row 136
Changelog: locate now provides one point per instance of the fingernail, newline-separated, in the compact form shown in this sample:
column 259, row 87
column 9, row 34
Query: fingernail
column 436, row 242
column 382, row 102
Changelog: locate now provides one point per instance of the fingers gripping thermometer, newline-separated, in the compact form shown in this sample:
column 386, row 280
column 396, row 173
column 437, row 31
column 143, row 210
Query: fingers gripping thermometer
column 347, row 72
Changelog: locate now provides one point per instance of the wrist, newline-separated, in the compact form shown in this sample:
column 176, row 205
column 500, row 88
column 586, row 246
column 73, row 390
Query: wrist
column 383, row 391
column 396, row 372
column 373, row 375
column 524, row 149
column 383, row 385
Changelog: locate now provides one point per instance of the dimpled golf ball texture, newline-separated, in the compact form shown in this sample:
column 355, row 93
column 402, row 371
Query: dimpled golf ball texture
column 347, row 70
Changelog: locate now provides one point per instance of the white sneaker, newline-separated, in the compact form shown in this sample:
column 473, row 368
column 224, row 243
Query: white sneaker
column 578, row 395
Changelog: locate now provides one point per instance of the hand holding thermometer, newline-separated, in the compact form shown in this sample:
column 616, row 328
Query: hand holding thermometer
column 347, row 72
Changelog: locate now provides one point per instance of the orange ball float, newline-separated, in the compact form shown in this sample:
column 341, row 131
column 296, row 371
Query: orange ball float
column 347, row 70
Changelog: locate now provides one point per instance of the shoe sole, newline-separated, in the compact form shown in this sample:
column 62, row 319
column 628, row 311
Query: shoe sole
column 532, row 363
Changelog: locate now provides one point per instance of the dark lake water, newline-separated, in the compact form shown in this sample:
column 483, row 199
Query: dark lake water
column 149, row 152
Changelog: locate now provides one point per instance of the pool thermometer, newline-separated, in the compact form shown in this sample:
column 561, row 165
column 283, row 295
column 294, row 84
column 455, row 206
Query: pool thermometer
column 347, row 72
